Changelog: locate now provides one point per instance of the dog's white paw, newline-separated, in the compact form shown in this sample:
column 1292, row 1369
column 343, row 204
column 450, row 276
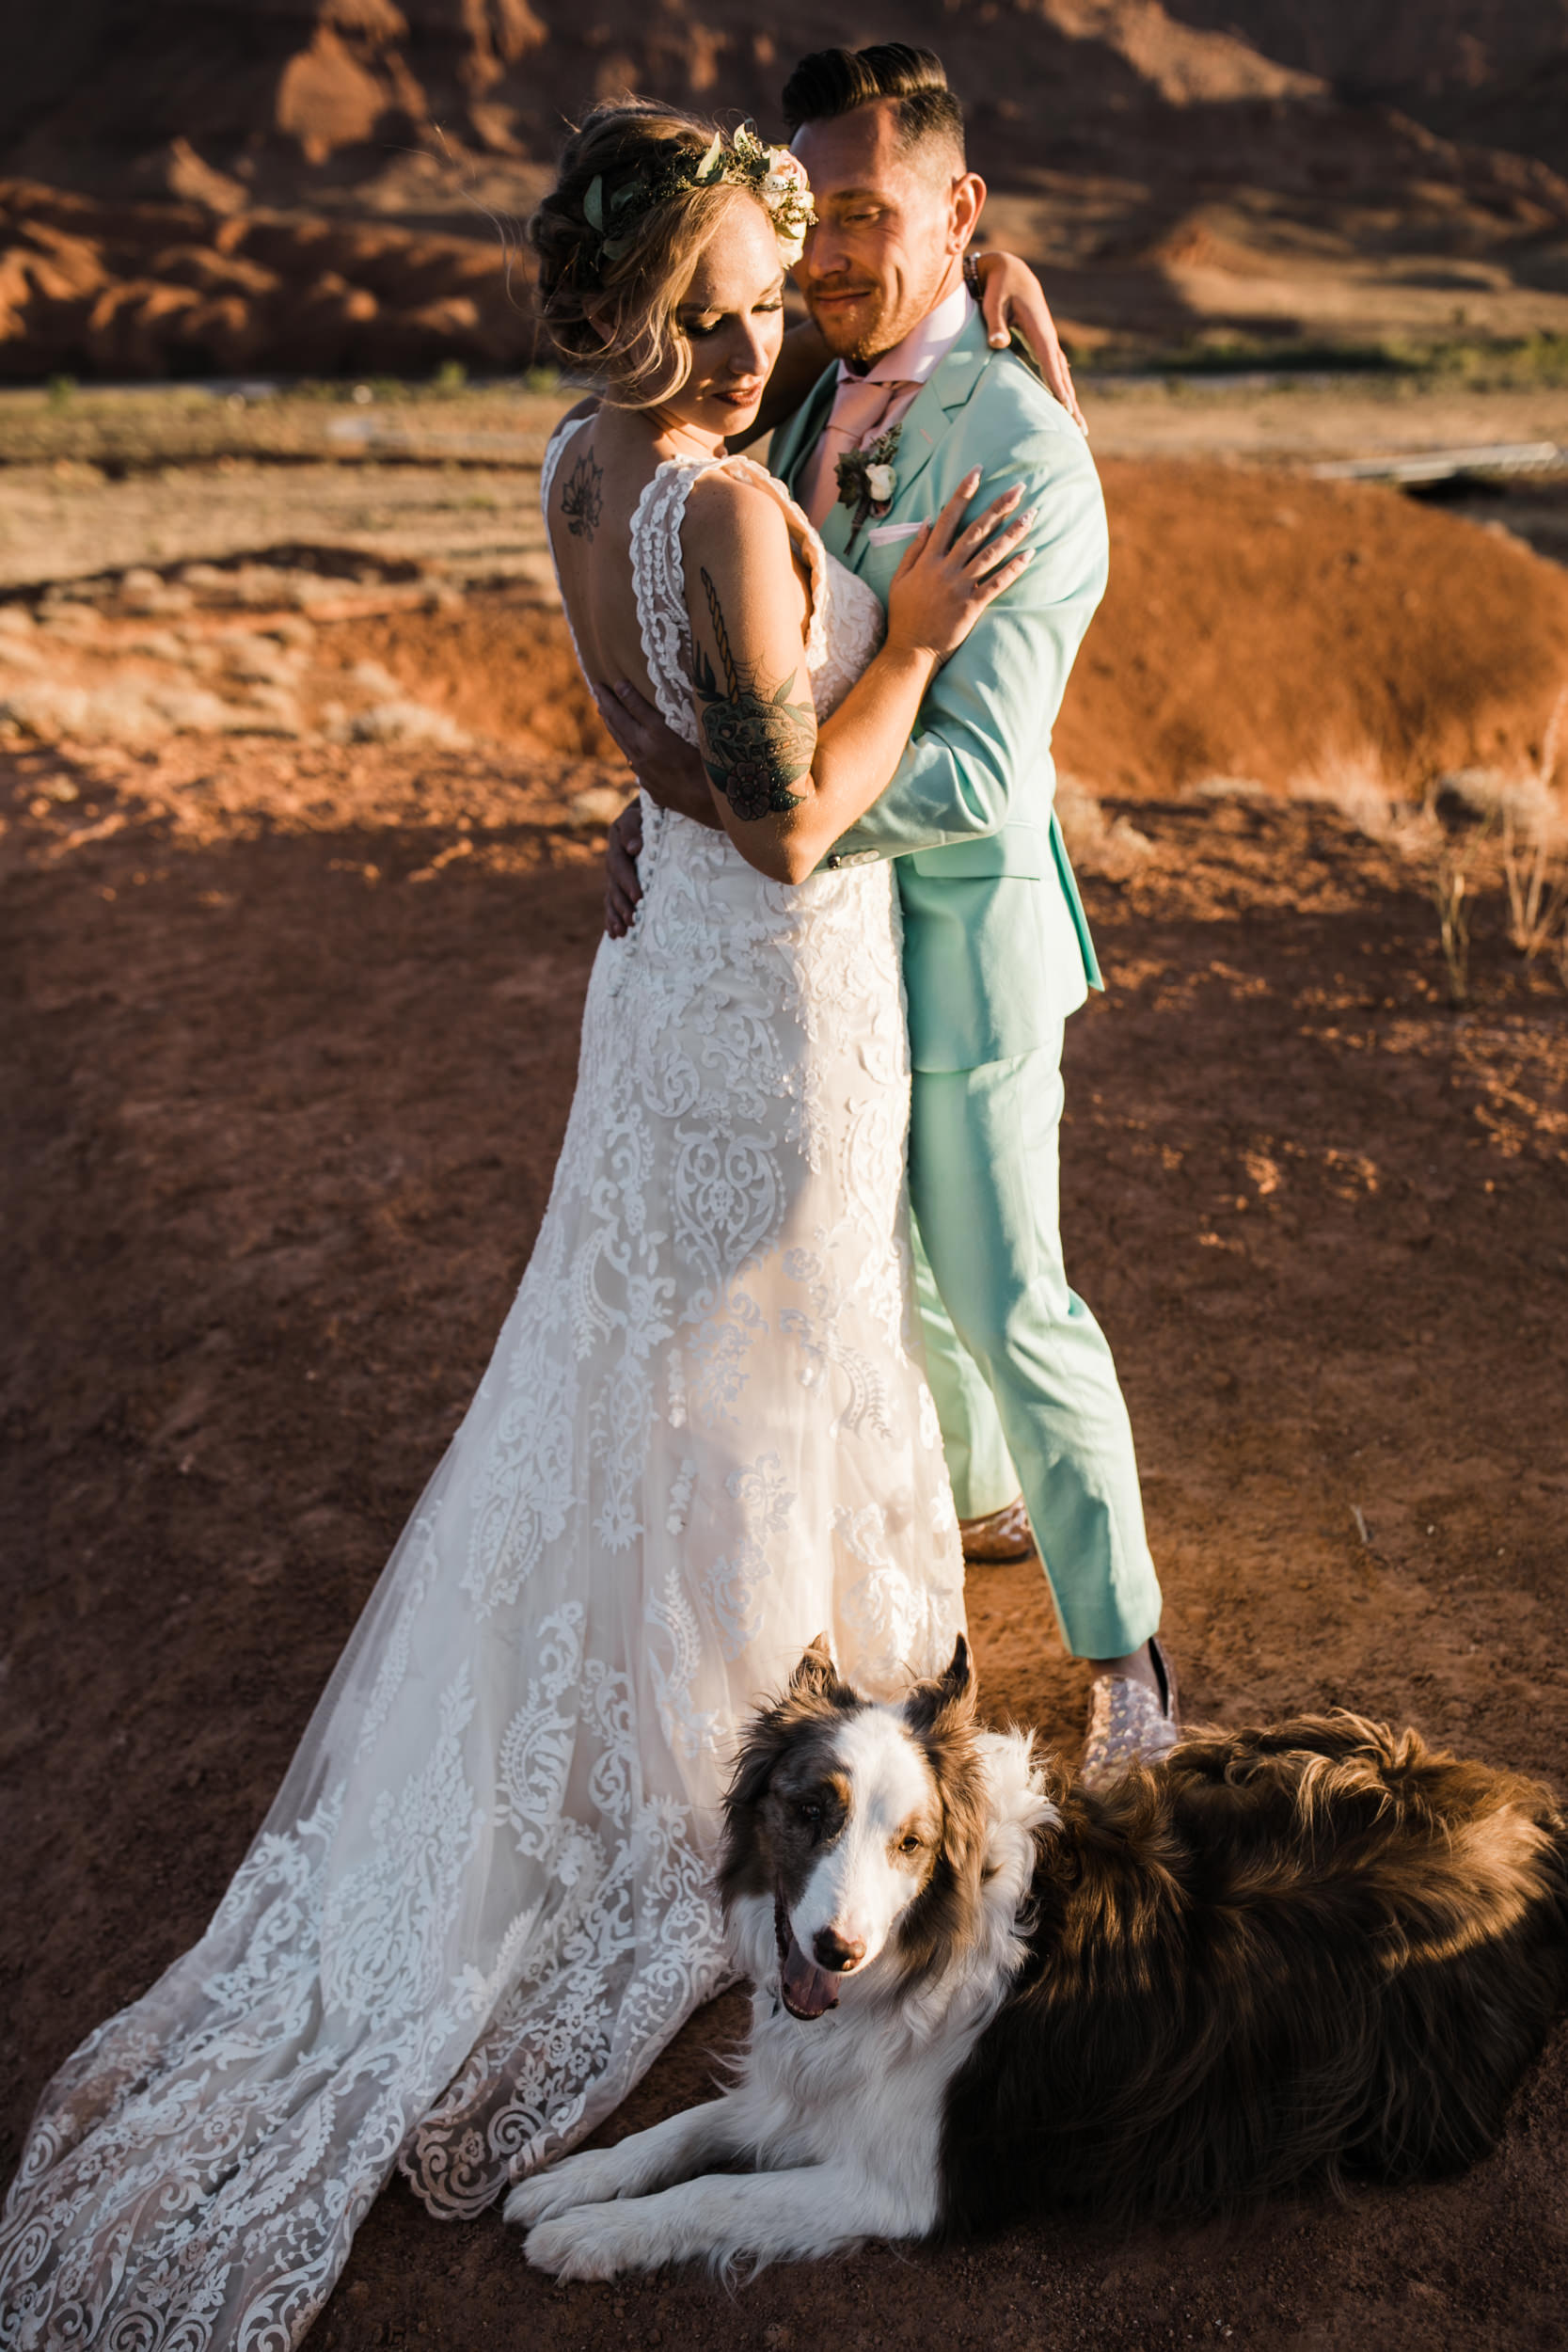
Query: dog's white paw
column 592, row 2242
column 585, row 2178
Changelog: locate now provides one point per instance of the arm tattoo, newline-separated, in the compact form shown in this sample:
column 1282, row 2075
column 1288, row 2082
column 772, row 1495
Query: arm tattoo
column 583, row 500
column 755, row 744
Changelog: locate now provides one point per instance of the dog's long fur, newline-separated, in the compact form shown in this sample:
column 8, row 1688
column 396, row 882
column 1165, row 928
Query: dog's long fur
column 1314, row 1952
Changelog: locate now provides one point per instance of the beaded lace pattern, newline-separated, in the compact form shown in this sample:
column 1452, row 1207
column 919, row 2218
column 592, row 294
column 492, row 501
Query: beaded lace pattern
column 482, row 1903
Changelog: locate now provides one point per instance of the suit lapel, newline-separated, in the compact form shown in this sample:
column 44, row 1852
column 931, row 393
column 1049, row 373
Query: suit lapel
column 952, row 386
column 795, row 437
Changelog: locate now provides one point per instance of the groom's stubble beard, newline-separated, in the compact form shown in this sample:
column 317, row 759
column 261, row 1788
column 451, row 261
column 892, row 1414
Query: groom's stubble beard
column 877, row 327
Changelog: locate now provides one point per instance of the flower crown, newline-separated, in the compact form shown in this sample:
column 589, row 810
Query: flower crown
column 773, row 175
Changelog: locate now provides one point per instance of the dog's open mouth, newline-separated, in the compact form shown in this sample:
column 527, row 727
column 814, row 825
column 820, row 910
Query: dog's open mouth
column 807, row 1989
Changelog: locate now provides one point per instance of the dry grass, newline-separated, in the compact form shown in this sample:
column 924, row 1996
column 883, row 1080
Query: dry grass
column 1449, row 888
column 1509, row 821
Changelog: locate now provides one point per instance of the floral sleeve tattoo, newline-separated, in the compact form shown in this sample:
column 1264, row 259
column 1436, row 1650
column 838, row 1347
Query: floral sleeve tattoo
column 582, row 499
column 756, row 742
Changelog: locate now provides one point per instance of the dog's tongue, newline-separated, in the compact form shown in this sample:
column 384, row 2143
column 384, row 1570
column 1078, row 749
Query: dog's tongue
column 808, row 1989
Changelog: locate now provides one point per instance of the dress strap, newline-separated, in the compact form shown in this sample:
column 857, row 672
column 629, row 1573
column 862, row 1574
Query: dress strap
column 552, row 456
column 659, row 584
column 807, row 539
column 658, row 578
column 546, row 479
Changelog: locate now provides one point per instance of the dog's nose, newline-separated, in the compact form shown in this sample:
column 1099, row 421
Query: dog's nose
column 834, row 1951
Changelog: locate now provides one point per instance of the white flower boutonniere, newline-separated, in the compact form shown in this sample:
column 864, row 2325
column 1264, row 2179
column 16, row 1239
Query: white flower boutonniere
column 867, row 480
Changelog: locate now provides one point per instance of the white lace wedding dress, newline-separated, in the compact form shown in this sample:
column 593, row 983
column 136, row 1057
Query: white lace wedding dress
column 482, row 1903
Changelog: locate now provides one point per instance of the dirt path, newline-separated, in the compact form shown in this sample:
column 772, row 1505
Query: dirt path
column 283, row 1094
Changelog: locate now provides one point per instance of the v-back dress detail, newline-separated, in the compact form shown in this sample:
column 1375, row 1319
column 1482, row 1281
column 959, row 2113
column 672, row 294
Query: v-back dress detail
column 483, row 1900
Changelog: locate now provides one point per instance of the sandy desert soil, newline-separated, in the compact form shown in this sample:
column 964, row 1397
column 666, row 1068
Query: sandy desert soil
column 286, row 1050
column 284, row 1092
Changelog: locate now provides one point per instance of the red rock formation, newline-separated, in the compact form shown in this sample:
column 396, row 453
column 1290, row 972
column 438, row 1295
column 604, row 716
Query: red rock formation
column 1122, row 119
column 153, row 289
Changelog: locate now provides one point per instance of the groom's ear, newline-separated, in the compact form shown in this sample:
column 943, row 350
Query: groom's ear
column 968, row 203
column 816, row 1677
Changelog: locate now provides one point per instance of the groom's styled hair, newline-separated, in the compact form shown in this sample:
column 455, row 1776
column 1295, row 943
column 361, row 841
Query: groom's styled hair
column 834, row 82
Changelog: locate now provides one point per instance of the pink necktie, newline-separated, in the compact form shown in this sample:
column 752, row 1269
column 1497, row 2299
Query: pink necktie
column 859, row 408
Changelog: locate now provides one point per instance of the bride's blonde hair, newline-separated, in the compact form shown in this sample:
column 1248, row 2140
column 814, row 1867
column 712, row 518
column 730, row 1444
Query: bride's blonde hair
column 619, row 235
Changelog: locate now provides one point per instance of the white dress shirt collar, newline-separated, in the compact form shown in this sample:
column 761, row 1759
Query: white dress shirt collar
column 916, row 360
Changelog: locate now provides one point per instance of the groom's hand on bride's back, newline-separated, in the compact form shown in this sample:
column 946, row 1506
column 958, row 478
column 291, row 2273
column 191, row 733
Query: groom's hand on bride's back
column 671, row 774
column 623, row 888
column 667, row 766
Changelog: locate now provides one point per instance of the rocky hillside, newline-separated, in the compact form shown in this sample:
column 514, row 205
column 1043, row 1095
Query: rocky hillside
column 1169, row 161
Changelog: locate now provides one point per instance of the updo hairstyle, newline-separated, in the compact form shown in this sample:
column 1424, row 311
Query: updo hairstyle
column 634, row 350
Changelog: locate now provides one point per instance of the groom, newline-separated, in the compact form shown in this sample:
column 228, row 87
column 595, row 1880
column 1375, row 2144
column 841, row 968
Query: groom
column 996, row 949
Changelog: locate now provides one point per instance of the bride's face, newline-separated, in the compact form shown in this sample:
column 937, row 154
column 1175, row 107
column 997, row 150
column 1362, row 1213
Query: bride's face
column 732, row 316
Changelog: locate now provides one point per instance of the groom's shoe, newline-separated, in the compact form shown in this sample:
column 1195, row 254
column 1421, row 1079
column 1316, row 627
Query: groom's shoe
column 1128, row 1723
column 1002, row 1535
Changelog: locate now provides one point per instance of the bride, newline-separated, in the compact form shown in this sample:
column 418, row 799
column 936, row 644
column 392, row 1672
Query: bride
column 481, row 1903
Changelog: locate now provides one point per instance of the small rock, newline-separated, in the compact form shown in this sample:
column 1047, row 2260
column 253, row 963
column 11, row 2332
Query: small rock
column 158, row 644
column 293, row 628
column 142, row 591
column 404, row 723
column 259, row 659
column 1466, row 795
column 599, row 805
column 74, row 621
column 46, row 711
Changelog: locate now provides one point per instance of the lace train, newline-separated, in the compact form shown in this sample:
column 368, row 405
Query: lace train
column 481, row 1904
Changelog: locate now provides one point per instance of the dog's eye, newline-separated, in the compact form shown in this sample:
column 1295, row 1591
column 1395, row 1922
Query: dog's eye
column 809, row 1811
column 910, row 1844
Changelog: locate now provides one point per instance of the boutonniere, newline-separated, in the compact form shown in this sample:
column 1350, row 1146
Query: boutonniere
column 866, row 479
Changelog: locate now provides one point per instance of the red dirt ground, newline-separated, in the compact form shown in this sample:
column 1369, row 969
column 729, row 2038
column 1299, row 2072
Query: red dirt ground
column 288, row 1044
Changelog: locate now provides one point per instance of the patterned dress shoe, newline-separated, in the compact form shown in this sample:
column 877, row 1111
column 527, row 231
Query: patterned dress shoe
column 1128, row 1724
column 1002, row 1535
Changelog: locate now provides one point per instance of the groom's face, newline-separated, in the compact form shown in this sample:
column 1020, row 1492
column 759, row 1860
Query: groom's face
column 892, row 224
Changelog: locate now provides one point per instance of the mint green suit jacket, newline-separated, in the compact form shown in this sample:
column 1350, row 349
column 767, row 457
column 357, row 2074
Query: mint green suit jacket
column 996, row 945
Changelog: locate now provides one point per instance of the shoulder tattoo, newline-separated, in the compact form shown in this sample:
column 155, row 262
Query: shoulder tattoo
column 582, row 497
column 756, row 742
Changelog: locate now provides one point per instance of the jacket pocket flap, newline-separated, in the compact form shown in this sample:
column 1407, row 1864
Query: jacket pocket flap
column 1022, row 850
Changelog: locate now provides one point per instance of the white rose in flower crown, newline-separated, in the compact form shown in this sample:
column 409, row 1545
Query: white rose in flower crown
column 786, row 193
column 881, row 482
column 785, row 172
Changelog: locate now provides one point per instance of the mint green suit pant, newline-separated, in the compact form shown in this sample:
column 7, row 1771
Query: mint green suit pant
column 1020, row 1372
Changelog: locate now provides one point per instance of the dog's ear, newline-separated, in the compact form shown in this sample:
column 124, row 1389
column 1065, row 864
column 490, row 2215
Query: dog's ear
column 946, row 1703
column 754, row 1766
column 742, row 1865
column 816, row 1677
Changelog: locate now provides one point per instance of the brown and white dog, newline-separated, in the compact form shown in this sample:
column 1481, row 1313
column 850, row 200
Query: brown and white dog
column 1318, row 1951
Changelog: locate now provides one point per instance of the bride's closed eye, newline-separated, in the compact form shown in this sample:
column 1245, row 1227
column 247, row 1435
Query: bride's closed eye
column 711, row 323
